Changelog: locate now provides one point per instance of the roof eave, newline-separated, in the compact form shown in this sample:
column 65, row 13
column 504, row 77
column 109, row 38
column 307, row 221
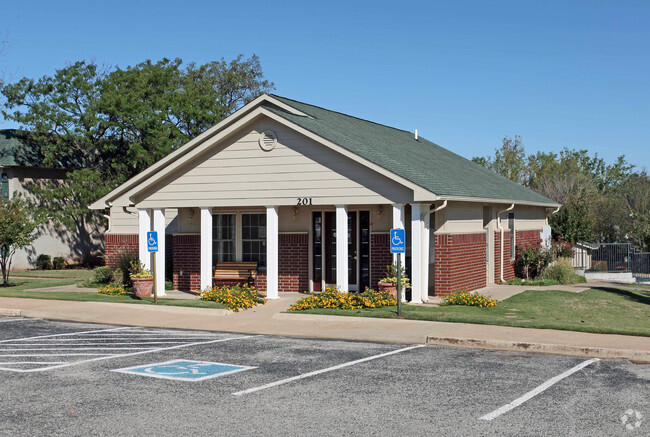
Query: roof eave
column 549, row 204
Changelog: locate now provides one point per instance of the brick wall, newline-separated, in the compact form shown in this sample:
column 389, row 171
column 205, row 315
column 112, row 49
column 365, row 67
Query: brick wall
column 186, row 258
column 380, row 257
column 293, row 262
column 260, row 282
column 508, row 266
column 525, row 237
column 459, row 262
column 114, row 243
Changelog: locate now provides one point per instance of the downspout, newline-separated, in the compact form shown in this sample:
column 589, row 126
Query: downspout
column 502, row 234
column 431, row 211
column 109, row 205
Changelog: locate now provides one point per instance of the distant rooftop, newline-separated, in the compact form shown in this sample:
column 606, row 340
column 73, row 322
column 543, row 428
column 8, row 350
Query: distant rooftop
column 19, row 149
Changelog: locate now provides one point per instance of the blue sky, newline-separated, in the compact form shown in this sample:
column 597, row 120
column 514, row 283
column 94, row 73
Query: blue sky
column 464, row 73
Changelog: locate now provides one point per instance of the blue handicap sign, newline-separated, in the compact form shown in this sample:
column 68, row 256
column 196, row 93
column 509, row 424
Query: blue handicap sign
column 184, row 370
column 397, row 241
column 152, row 241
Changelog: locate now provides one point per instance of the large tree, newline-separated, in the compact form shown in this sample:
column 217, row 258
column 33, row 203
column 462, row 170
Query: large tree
column 601, row 201
column 111, row 123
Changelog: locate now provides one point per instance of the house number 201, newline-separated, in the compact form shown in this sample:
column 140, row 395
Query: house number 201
column 304, row 201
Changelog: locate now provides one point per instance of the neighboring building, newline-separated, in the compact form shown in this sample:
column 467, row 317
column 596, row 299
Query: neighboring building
column 282, row 182
column 21, row 167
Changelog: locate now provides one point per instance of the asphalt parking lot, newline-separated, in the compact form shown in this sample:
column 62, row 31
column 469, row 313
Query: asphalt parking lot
column 62, row 378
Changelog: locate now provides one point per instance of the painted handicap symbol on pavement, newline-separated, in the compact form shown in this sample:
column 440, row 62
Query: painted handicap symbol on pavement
column 184, row 370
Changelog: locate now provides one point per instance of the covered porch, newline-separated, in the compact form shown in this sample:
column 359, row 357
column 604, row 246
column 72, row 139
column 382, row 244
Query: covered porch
column 298, row 248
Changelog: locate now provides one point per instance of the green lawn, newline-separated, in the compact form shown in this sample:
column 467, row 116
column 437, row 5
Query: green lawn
column 19, row 286
column 602, row 310
column 76, row 275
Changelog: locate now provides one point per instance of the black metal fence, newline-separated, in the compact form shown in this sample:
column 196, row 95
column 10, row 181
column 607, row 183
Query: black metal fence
column 611, row 257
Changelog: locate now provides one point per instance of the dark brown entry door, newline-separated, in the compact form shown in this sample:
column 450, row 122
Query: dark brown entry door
column 324, row 249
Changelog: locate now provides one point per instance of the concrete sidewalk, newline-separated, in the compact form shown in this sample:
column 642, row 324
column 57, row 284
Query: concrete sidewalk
column 271, row 319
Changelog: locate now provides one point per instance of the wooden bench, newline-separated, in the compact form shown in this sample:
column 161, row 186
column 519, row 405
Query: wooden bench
column 234, row 272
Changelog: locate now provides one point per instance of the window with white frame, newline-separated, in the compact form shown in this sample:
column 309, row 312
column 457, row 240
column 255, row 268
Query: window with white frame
column 253, row 238
column 224, row 237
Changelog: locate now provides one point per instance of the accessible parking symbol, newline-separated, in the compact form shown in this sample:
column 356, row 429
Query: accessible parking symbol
column 184, row 370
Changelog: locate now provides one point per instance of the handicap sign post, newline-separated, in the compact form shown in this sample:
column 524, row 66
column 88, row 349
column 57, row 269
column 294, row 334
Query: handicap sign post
column 152, row 247
column 398, row 246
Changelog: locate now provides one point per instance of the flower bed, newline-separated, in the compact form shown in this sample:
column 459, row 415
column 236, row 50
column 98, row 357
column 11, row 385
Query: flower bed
column 236, row 297
column 113, row 290
column 333, row 298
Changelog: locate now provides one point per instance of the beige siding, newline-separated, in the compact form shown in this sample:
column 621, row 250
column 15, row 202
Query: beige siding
column 125, row 223
column 529, row 217
column 460, row 217
column 77, row 244
column 239, row 173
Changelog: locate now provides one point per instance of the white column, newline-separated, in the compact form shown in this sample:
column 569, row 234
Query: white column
column 272, row 252
column 342, row 248
column 416, row 253
column 159, row 226
column 426, row 223
column 144, row 226
column 206, row 248
column 398, row 223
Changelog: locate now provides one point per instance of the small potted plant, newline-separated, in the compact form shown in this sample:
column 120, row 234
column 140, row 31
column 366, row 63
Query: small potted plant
column 389, row 282
column 141, row 278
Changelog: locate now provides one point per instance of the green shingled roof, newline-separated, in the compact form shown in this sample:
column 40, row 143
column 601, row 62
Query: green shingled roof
column 419, row 161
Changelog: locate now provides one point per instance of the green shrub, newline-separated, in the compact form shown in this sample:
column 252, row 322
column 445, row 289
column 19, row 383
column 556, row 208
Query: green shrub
column 333, row 298
column 44, row 262
column 102, row 275
column 125, row 257
column 468, row 299
column 562, row 272
column 137, row 270
column 58, row 263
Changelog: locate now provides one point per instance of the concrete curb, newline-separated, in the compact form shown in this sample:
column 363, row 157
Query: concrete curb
column 560, row 349
column 10, row 312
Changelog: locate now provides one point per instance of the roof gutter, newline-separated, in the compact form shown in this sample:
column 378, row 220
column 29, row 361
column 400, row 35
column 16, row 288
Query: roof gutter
column 502, row 234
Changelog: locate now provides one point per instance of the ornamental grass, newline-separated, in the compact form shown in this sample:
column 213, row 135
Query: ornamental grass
column 113, row 290
column 333, row 298
column 469, row 299
column 236, row 296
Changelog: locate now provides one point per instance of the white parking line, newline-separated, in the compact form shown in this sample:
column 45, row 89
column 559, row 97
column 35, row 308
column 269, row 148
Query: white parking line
column 514, row 404
column 108, row 357
column 22, row 319
column 329, row 369
column 61, row 335
column 72, row 348
column 92, row 344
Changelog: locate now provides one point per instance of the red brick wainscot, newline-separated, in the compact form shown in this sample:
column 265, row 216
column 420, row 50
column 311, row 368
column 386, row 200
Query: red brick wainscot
column 186, row 262
column 507, row 258
column 527, row 237
column 116, row 243
column 380, row 257
column 459, row 262
column 293, row 262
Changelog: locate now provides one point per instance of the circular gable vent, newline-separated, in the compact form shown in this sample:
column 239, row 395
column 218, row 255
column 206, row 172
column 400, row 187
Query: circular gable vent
column 268, row 140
